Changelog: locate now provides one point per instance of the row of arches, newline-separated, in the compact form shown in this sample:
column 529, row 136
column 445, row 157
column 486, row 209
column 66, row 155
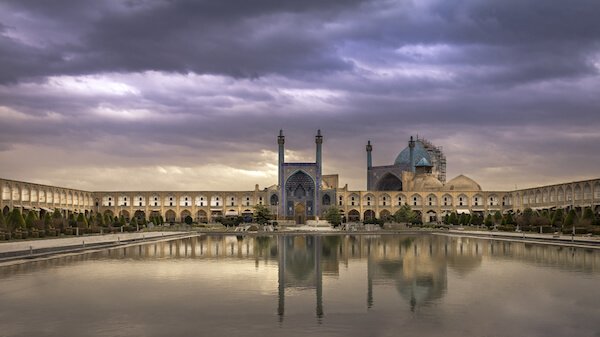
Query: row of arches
column 43, row 195
column 416, row 199
column 171, row 200
column 171, row 215
column 355, row 216
column 559, row 194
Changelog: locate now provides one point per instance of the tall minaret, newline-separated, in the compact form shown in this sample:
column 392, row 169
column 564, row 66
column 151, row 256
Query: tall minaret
column 281, row 142
column 369, row 164
column 319, row 143
column 411, row 146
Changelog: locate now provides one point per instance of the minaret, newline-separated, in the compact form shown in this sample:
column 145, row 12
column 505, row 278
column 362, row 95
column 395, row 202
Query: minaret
column 319, row 143
column 369, row 164
column 281, row 142
column 411, row 146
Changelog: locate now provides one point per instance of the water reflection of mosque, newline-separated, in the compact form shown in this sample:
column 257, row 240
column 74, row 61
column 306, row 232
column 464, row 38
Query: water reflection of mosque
column 417, row 266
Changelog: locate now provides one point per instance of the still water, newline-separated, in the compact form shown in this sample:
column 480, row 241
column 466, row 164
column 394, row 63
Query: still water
column 388, row 285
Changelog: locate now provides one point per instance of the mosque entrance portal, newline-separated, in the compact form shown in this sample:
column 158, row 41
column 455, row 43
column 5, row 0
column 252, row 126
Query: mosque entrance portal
column 300, row 213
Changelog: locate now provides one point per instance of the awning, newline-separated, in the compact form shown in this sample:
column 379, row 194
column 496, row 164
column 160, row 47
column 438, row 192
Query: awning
column 47, row 209
column 26, row 207
column 463, row 211
column 248, row 211
column 231, row 213
column 216, row 210
column 17, row 205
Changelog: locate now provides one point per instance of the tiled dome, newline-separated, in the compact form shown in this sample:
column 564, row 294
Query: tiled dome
column 419, row 153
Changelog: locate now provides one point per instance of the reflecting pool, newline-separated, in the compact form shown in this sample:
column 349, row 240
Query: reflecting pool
column 299, row 285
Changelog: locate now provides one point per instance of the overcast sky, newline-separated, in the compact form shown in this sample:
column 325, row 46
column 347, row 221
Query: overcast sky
column 190, row 95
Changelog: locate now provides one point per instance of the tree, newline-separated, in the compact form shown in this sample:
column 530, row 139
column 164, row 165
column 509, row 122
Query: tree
column 405, row 215
column 17, row 220
column 476, row 220
column 29, row 220
column 525, row 218
column 509, row 219
column 262, row 214
column 2, row 221
column 453, row 219
column 57, row 214
column 497, row 218
column 334, row 216
column 133, row 222
column 488, row 221
column 588, row 217
column 558, row 218
column 100, row 220
column 47, row 221
column 571, row 218
column 81, row 220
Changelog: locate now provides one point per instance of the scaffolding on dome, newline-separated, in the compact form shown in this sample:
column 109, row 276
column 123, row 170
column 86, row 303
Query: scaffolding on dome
column 438, row 158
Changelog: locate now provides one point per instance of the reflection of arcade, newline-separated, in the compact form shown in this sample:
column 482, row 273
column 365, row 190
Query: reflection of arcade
column 416, row 266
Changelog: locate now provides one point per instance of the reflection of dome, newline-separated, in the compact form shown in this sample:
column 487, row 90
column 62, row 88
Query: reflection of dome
column 419, row 153
column 427, row 183
column 462, row 183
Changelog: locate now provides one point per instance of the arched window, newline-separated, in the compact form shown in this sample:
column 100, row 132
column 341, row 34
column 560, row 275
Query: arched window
column 274, row 200
column 326, row 200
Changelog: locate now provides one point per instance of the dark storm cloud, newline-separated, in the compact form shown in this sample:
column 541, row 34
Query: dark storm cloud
column 536, row 39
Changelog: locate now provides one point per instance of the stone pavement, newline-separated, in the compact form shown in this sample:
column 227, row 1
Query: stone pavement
column 72, row 241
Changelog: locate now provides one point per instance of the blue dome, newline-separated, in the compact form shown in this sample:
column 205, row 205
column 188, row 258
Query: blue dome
column 420, row 153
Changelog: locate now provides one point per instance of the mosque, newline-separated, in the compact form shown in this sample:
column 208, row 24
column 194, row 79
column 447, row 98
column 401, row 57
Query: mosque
column 303, row 193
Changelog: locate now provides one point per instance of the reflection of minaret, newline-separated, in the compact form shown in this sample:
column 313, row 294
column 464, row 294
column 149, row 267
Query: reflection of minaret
column 369, row 276
column 281, row 251
column 319, row 276
column 369, row 283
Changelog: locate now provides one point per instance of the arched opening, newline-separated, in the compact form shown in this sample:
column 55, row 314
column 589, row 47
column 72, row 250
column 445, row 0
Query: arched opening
column 155, row 217
column 124, row 214
column 300, row 188
column 385, row 215
column 326, row 200
column 201, row 216
column 389, row 182
column 587, row 192
column 215, row 215
column 274, row 200
column 432, row 200
column 170, row 216
column 5, row 210
column 186, row 216
column 108, row 212
column 5, row 192
column 247, row 215
column 353, row 216
column 432, row 216
column 577, row 194
column 140, row 216
column 369, row 215
column 300, row 213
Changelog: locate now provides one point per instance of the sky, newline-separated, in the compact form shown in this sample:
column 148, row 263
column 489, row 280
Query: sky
column 191, row 94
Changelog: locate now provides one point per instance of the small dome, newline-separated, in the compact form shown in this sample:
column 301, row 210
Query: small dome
column 427, row 183
column 462, row 183
column 419, row 153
